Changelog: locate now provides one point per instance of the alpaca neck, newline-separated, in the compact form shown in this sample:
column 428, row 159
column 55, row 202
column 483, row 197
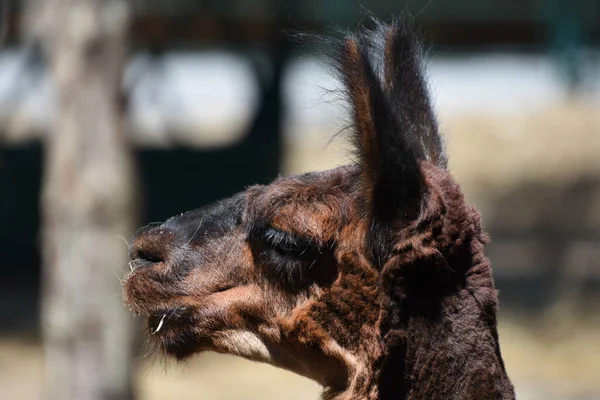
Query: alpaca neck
column 362, row 384
column 367, row 390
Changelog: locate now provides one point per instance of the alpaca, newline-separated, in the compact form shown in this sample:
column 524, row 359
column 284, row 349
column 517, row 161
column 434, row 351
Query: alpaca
column 369, row 278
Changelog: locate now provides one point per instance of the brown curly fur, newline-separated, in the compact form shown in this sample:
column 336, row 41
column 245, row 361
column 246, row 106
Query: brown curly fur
column 369, row 278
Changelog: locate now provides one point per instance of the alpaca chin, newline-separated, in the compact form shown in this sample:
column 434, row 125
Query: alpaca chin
column 242, row 343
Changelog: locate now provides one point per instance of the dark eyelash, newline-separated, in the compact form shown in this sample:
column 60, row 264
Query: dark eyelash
column 285, row 242
column 290, row 258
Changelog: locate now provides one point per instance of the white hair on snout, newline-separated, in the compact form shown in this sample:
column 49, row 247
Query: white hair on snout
column 160, row 324
column 195, row 232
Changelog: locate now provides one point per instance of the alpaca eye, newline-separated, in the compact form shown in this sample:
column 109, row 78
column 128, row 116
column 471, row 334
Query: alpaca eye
column 285, row 243
column 289, row 258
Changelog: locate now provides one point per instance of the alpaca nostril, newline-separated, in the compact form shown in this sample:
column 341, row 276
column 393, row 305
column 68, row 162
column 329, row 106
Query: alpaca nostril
column 149, row 248
column 142, row 257
column 148, row 255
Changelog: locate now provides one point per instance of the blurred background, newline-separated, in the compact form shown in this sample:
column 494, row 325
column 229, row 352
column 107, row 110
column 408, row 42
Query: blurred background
column 116, row 113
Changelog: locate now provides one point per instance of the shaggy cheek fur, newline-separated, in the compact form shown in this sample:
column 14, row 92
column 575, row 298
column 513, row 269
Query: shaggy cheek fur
column 335, row 332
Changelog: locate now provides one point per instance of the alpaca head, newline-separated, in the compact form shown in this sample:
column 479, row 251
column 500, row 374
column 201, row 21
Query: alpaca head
column 308, row 272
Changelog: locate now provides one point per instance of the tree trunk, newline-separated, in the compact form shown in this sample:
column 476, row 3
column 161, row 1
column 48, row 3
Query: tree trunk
column 88, row 200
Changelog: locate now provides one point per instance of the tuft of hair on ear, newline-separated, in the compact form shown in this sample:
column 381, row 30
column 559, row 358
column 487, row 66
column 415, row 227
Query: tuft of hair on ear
column 394, row 124
column 407, row 89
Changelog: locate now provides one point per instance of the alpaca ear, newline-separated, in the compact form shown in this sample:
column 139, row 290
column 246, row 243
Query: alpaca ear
column 407, row 91
column 395, row 128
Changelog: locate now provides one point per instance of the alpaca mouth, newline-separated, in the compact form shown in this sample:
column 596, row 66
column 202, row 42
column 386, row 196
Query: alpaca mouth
column 163, row 320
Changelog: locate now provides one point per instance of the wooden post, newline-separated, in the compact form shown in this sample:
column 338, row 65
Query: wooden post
column 88, row 200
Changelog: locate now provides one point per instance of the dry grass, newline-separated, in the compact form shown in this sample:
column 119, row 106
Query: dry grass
column 553, row 357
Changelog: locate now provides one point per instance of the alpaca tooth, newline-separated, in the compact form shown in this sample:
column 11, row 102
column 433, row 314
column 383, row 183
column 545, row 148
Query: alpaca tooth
column 160, row 324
